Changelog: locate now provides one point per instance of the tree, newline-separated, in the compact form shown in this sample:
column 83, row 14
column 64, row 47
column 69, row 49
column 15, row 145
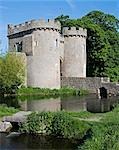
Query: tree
column 105, row 21
column 102, row 43
column 110, row 26
column 62, row 19
column 12, row 72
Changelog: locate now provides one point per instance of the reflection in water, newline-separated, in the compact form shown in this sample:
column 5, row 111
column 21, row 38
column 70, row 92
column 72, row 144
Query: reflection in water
column 101, row 105
column 41, row 105
column 28, row 142
column 11, row 101
column 75, row 103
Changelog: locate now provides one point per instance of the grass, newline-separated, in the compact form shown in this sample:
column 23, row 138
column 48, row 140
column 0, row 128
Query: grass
column 82, row 114
column 45, row 92
column 104, row 134
column 6, row 111
column 112, row 117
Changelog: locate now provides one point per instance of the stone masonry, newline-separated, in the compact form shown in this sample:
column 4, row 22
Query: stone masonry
column 49, row 54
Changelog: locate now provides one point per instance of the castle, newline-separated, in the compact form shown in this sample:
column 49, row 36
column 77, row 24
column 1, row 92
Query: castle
column 50, row 53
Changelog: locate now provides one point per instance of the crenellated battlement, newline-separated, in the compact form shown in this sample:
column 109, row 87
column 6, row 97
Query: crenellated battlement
column 34, row 24
column 73, row 31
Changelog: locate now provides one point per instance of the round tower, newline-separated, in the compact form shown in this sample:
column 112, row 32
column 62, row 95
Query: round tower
column 39, row 40
column 44, row 66
column 74, row 64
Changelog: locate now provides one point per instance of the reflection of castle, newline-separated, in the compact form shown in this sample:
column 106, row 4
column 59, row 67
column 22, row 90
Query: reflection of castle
column 49, row 54
column 89, row 103
column 41, row 105
column 57, row 104
column 99, row 105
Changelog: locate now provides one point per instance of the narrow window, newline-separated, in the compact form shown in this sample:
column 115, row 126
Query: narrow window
column 36, row 43
column 18, row 47
column 56, row 43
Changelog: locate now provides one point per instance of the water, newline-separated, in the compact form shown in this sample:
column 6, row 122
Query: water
column 28, row 142
column 75, row 103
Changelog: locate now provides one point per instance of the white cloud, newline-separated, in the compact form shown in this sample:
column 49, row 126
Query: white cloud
column 71, row 3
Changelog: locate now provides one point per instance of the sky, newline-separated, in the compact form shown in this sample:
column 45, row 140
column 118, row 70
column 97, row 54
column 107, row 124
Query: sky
column 19, row 11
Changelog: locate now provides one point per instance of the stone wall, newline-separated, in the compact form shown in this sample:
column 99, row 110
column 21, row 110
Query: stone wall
column 112, row 88
column 92, row 84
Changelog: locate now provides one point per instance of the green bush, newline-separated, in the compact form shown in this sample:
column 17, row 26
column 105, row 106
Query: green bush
column 12, row 73
column 38, row 123
column 65, row 126
column 58, row 124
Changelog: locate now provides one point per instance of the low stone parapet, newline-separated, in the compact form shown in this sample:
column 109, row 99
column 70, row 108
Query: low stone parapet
column 92, row 84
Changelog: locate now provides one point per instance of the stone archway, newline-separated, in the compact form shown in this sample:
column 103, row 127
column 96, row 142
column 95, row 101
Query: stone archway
column 103, row 92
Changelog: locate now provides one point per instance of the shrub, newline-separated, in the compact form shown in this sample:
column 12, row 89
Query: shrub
column 38, row 123
column 59, row 124
column 12, row 73
column 65, row 126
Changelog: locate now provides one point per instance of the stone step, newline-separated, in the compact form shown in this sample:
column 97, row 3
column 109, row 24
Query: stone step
column 18, row 117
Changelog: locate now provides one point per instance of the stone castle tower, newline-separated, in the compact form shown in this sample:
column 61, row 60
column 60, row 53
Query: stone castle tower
column 49, row 54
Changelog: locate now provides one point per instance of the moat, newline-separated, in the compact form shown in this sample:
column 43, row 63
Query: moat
column 27, row 141
column 71, row 104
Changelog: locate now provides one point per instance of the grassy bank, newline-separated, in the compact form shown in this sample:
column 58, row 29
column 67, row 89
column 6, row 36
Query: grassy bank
column 105, row 135
column 6, row 111
column 44, row 92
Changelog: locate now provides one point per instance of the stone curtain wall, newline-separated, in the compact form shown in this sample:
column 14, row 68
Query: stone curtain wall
column 90, row 83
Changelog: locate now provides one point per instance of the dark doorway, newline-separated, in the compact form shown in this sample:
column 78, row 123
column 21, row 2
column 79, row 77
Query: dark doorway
column 103, row 92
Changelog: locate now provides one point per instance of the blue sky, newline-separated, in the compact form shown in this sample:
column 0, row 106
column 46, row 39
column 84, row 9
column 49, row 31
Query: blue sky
column 19, row 11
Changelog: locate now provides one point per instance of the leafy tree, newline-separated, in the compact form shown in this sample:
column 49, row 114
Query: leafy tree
column 62, row 19
column 12, row 73
column 110, row 26
column 102, row 42
column 106, row 21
